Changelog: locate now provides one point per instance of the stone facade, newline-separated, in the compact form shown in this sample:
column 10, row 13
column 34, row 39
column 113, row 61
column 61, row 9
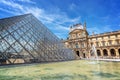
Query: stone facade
column 107, row 44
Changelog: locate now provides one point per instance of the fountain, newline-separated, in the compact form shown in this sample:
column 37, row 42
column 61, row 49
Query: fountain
column 95, row 53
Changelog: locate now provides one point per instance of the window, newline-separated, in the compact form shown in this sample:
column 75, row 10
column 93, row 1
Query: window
column 83, row 45
column 102, row 37
column 103, row 43
column 91, row 44
column 67, row 38
column 97, row 44
column 96, row 38
column 117, row 41
column 110, row 42
column 90, row 39
column 76, row 36
column 73, row 35
column 76, row 45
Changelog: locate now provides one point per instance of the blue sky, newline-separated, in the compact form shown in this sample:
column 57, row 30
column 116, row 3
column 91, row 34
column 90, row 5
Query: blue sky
column 58, row 15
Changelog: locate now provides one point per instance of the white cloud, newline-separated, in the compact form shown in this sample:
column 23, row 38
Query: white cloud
column 61, row 35
column 72, row 6
column 57, row 19
column 8, row 11
column 27, row 1
column 12, row 4
column 34, row 10
column 98, row 30
column 62, row 28
column 18, row 8
column 40, row 13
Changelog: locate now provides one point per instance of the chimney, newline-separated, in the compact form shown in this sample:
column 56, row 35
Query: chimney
column 93, row 33
column 85, row 25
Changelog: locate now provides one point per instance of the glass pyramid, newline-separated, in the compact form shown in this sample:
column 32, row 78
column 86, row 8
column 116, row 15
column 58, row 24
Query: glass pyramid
column 24, row 39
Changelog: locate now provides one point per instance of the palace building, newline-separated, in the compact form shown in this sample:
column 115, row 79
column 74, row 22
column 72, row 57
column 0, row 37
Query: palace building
column 107, row 45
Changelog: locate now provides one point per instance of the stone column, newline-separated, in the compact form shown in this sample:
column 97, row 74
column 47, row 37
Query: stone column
column 101, row 51
column 117, row 53
column 109, row 54
column 80, row 54
column 89, row 54
column 86, row 53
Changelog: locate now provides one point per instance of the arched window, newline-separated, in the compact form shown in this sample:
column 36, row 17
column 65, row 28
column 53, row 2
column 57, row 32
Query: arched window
column 119, row 51
column 112, row 52
column 77, row 53
column 84, row 56
column 98, row 53
column 105, row 52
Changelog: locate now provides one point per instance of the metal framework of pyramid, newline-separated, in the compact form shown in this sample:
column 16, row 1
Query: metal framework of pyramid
column 24, row 39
